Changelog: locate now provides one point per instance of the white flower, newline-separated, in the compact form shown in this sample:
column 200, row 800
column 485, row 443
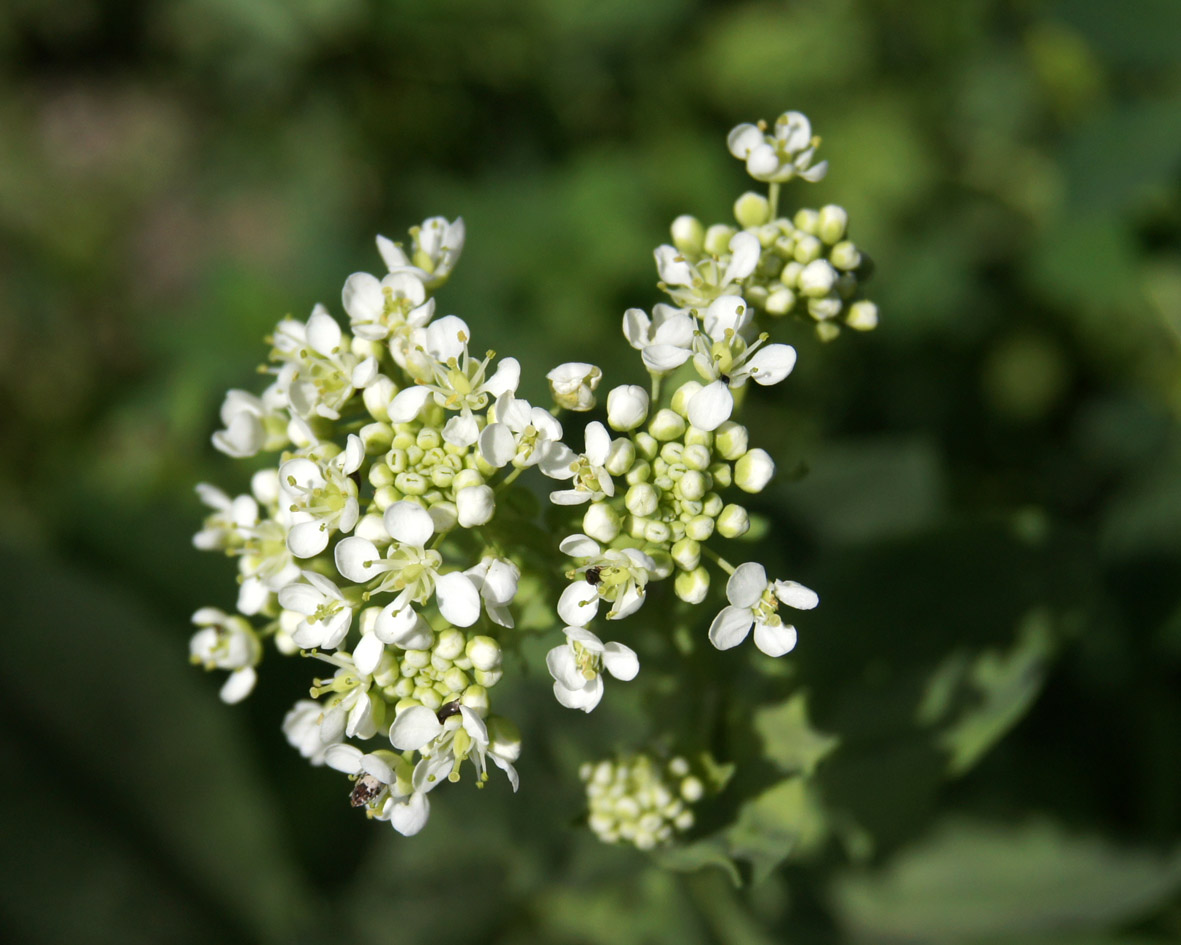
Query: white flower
column 303, row 725
column 699, row 283
column 230, row 523
column 777, row 157
column 524, row 435
column 573, row 385
column 616, row 575
column 435, row 249
column 446, row 744
column 496, row 580
column 322, row 497
column 755, row 602
column 393, row 305
column 592, row 482
column 444, row 370
column 327, row 616
column 226, row 642
column 411, row 570
column 321, row 372
column 577, row 667
column 251, row 423
column 667, row 326
column 351, row 709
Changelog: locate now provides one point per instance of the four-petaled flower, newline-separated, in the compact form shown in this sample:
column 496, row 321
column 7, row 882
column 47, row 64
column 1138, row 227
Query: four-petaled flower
column 755, row 602
column 577, row 667
column 777, row 157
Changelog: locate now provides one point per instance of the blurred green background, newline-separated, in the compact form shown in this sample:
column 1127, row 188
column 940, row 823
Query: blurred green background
column 986, row 491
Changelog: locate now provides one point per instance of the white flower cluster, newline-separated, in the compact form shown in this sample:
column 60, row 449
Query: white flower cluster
column 639, row 800
column 380, row 541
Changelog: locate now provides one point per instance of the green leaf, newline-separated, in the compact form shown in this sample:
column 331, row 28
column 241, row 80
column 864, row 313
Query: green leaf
column 771, row 827
column 790, row 741
column 969, row 880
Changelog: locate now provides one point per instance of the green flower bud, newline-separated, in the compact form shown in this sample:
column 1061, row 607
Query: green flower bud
column 863, row 316
column 790, row 274
column 752, row 209
column 696, row 456
column 442, row 476
column 733, row 522
column 817, row 279
column 635, row 525
column 455, row 680
column 695, row 437
column 823, row 309
column 488, row 677
column 428, row 438
column 476, row 698
column 827, row 331
column 411, row 483
column 688, row 235
column 807, row 220
column 640, row 472
column 691, row 485
column 601, row 522
column 657, row 532
column 754, row 470
column 465, row 478
column 377, row 397
column 687, row 554
column 779, row 302
column 692, row 586
column 641, row 500
column 504, row 738
column 682, row 396
column 731, row 440
column 721, row 474
column 717, row 239
column 428, row 696
column 700, row 527
column 376, row 437
column 831, row 223
column 414, row 660
column 712, row 505
column 484, row 652
column 621, row 456
column 647, row 445
column 667, row 425
column 672, row 454
column 380, row 474
column 807, row 249
column 692, row 789
column 450, row 643
column 845, row 256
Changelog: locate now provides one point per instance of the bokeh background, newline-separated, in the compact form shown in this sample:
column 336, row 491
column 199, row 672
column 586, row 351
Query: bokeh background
column 986, row 491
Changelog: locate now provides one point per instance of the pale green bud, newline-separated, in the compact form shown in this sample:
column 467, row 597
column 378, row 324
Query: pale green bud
column 807, row 249
column 687, row 554
column 696, row 455
column 368, row 618
column 601, row 522
column 682, row 396
column 466, row 478
column 442, row 476
column 403, row 689
column 731, row 440
column 717, row 239
column 647, row 445
column 817, row 279
column 377, row 397
column 712, row 505
column 476, row 698
column 688, row 235
column 635, row 525
column 831, row 223
column 678, row 767
column 807, row 220
column 371, row 528
column 733, row 522
column 695, row 437
column 667, row 425
column 620, row 457
column 661, row 560
column 428, row 696
column 455, row 680
column 414, row 660
column 484, row 652
column 444, row 515
column 847, row 285
column 641, row 499
column 692, row 586
column 450, row 643
column 863, row 316
column 827, row 331
column 721, row 474
column 640, row 472
column 403, row 437
column 386, row 496
column 672, row 454
column 754, row 470
column 504, row 738
column 411, row 483
column 752, row 209
column 428, row 439
column 488, row 677
column 690, row 509
column 627, row 407
column 780, row 302
column 845, row 256
column 657, row 532
column 823, row 309
column 376, row 437
column 790, row 274
column 691, row 485
column 692, row 789
column 380, row 474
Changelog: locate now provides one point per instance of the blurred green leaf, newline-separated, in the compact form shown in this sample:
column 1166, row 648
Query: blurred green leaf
column 790, row 741
column 969, row 881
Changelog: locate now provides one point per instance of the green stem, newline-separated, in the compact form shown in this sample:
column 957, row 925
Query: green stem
column 773, row 199
column 718, row 560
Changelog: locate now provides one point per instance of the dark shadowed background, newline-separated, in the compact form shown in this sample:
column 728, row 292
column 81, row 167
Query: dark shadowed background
column 986, row 490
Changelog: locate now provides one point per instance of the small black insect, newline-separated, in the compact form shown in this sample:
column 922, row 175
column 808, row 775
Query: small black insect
column 592, row 575
column 448, row 709
column 365, row 790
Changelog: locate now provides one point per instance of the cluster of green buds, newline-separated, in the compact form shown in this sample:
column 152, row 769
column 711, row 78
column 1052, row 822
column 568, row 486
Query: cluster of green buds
column 640, row 800
column 385, row 532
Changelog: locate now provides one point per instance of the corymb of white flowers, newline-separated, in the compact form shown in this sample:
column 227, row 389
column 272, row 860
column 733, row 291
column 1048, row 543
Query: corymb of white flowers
column 387, row 540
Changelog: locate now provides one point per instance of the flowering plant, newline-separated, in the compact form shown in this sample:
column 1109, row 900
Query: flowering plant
column 391, row 539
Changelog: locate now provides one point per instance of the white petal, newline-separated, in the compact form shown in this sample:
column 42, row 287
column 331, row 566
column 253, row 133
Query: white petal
column 627, row 603
column 410, row 817
column 407, row 403
column 569, row 497
column 762, row 162
column 598, row 443
column 300, row 474
column 238, row 686
column 507, row 767
column 475, row 505
column 391, row 253
column 355, row 559
column 409, row 523
column 584, row 638
column 367, row 654
column 378, row 767
column 775, row 641
column 745, row 250
column 578, row 604
column 637, row 328
column 414, row 727
column 506, row 378
column 362, row 297
column 672, row 266
column 399, row 625
column 579, row 546
column 711, row 406
column 564, row 668
column 461, row 430
column 585, row 698
column 556, row 460
column 743, row 138
column 497, row 444
column 621, row 661
column 458, row 599
column 323, row 332
column 746, row 584
column 796, row 595
column 346, row 758
column 730, row 627
column 307, row 539
column 771, row 364
column 729, row 312
column 662, row 358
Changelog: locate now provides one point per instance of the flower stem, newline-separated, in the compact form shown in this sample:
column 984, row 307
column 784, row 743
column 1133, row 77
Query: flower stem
column 718, row 560
column 773, row 199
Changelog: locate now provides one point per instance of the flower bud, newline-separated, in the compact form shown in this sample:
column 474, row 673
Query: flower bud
column 807, row 249
column 488, row 677
column 641, row 499
column 696, row 455
column 375, row 437
column 712, row 506
column 722, row 474
column 371, row 528
column 733, row 522
column 752, row 209
column 699, row 527
column 845, row 256
column 428, row 696
column 667, row 425
column 781, row 301
column 863, row 316
column 825, row 308
column 377, row 397
column 807, row 220
column 444, row 516
column 380, row 474
column 717, row 239
column 621, row 457
column 754, row 470
column 601, row 522
column 692, row 789
column 692, row 586
column 682, row 396
column 627, row 407
column 455, row 680
column 691, row 485
column 687, row 554
column 831, row 223
column 504, row 738
column 411, row 483
column 484, row 652
column 827, row 331
column 475, row 505
column 688, row 235
column 573, row 385
column 817, row 279
column 731, row 440
column 450, row 643
column 466, row 478
column 640, row 472
column 657, row 532
column 789, row 275
column 476, row 698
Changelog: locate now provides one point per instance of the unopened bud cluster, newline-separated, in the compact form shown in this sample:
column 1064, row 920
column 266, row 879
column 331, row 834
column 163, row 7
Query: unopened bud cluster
column 640, row 800
column 379, row 543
